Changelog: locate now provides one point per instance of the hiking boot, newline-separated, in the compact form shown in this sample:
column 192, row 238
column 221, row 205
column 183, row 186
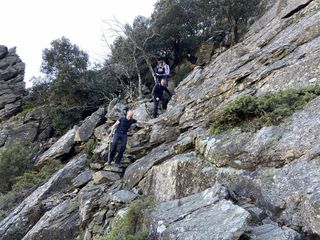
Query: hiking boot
column 118, row 165
column 107, row 164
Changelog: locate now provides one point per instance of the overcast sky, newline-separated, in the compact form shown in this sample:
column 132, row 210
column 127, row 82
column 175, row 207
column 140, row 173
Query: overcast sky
column 31, row 25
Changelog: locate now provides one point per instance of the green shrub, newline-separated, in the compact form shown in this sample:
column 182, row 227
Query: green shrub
column 15, row 160
column 62, row 118
column 32, row 179
column 257, row 111
column 25, row 184
column 89, row 147
column 9, row 201
column 127, row 228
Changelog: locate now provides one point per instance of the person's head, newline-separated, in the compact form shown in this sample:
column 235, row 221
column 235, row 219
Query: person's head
column 129, row 115
column 188, row 54
column 163, row 82
column 160, row 62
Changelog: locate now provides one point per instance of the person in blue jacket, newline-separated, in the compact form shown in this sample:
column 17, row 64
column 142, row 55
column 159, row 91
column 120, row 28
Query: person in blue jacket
column 120, row 129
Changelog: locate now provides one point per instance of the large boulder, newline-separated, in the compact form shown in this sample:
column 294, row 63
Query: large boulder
column 89, row 198
column 28, row 213
column 137, row 170
column 271, row 231
column 288, row 194
column 205, row 216
column 62, row 222
column 58, row 149
column 84, row 132
column 106, row 177
column 140, row 111
column 178, row 177
column 115, row 112
column 82, row 179
column 26, row 128
column 12, row 86
column 24, row 133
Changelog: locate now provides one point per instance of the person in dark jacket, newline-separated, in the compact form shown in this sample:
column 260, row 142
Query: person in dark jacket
column 157, row 94
column 121, row 128
column 160, row 71
column 191, row 58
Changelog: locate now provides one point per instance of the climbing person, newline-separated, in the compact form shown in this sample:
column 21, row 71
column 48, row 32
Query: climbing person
column 120, row 129
column 159, row 71
column 166, row 72
column 157, row 94
column 191, row 58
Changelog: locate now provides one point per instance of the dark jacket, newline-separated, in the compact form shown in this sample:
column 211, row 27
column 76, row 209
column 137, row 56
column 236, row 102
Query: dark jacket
column 157, row 91
column 192, row 59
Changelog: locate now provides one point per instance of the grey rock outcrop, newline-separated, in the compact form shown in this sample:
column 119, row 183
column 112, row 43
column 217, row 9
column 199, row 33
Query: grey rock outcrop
column 178, row 177
column 269, row 146
column 25, row 128
column 270, row 231
column 106, row 177
column 12, row 86
column 259, row 184
column 84, row 132
column 62, row 222
column 58, row 149
column 82, row 179
column 192, row 217
column 28, row 213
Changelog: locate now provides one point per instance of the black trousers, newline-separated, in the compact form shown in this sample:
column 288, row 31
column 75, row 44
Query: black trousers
column 164, row 101
column 122, row 138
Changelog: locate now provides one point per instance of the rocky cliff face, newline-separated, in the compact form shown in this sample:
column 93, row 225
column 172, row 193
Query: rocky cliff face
column 261, row 184
column 12, row 86
column 29, row 126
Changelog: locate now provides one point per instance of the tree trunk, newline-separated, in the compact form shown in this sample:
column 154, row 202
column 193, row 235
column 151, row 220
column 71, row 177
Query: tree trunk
column 234, row 33
column 139, row 78
column 149, row 66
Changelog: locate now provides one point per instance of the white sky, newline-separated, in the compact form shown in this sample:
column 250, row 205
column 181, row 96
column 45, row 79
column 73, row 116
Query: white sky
column 31, row 25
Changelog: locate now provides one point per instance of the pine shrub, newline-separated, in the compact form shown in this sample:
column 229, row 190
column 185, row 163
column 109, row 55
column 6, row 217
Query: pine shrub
column 255, row 112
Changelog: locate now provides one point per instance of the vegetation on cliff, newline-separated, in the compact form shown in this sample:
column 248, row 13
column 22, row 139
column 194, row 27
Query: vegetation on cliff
column 254, row 112
column 71, row 82
column 126, row 227
column 17, row 176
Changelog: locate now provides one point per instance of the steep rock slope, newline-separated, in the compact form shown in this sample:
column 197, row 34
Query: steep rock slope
column 261, row 184
column 277, row 167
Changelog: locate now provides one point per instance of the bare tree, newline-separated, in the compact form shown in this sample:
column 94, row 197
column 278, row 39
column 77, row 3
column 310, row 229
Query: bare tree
column 137, row 41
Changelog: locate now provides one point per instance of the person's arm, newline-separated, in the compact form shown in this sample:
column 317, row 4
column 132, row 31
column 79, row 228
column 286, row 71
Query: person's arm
column 114, row 126
column 145, row 122
column 155, row 71
column 167, row 70
column 155, row 92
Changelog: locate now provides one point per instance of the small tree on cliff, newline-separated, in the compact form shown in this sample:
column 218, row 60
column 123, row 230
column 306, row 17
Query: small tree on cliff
column 236, row 13
column 64, row 64
column 132, row 43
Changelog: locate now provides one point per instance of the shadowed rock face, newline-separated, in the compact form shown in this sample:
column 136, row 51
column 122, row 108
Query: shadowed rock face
column 12, row 86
